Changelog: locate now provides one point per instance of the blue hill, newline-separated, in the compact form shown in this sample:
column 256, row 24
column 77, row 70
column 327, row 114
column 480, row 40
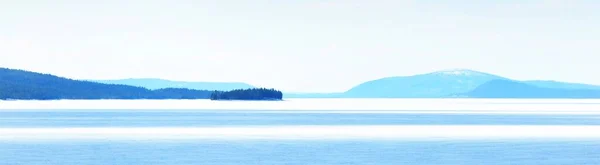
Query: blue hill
column 560, row 85
column 151, row 83
column 26, row 85
column 516, row 89
column 430, row 85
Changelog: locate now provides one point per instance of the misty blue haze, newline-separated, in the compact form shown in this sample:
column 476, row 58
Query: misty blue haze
column 160, row 84
column 301, row 45
column 439, row 84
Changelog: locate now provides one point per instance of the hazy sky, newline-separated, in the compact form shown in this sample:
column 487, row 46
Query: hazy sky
column 301, row 45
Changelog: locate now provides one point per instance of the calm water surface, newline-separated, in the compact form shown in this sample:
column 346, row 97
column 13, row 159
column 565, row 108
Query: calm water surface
column 273, row 151
column 196, row 118
column 301, row 152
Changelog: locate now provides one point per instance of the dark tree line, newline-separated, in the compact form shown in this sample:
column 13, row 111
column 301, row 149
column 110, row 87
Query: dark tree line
column 248, row 94
column 25, row 85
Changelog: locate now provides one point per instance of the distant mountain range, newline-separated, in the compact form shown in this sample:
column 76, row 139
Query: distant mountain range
column 152, row 83
column 461, row 83
column 457, row 83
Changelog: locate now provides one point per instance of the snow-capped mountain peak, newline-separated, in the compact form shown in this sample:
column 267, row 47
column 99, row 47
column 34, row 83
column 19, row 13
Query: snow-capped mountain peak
column 460, row 72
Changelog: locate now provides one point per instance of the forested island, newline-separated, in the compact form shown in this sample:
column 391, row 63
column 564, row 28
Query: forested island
column 248, row 94
column 26, row 85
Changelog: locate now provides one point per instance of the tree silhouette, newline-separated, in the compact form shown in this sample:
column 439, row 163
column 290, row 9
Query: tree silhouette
column 248, row 94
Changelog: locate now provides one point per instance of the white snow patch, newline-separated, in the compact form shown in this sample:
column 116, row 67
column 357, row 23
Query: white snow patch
column 459, row 72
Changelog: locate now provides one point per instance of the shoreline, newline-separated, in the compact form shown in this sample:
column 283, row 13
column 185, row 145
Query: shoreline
column 342, row 105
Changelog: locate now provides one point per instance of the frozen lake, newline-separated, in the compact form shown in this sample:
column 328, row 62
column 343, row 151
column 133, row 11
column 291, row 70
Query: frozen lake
column 301, row 131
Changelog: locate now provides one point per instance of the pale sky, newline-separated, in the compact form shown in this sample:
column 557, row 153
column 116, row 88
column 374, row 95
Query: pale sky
column 301, row 45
